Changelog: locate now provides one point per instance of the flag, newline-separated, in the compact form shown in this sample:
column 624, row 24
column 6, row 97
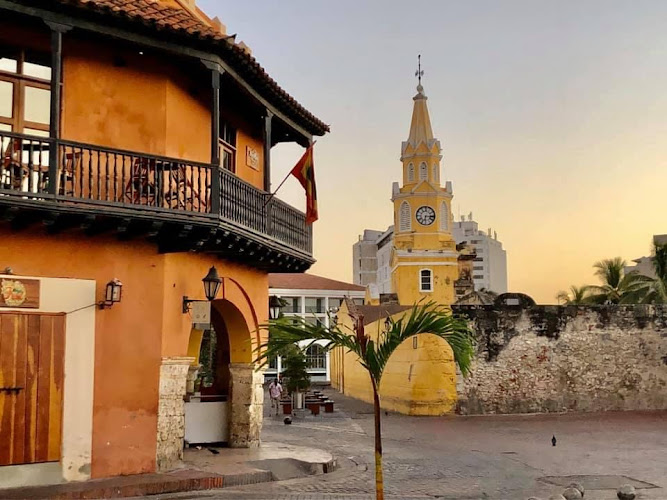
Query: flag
column 304, row 171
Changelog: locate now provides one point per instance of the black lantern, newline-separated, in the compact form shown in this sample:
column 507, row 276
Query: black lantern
column 113, row 292
column 274, row 307
column 212, row 283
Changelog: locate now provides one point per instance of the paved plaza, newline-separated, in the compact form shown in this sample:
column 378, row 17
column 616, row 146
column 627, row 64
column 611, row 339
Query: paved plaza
column 484, row 457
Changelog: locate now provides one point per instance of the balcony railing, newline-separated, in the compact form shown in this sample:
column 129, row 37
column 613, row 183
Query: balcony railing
column 85, row 174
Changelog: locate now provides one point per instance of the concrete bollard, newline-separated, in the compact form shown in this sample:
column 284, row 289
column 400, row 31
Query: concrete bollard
column 572, row 494
column 626, row 492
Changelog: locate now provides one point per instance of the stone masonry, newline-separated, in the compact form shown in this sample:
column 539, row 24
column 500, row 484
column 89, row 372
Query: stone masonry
column 247, row 401
column 171, row 411
column 566, row 358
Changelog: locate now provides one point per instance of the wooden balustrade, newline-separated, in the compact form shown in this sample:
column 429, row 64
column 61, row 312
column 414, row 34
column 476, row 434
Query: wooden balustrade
column 107, row 177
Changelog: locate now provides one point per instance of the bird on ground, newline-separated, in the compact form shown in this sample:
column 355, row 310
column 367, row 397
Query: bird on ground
column 553, row 440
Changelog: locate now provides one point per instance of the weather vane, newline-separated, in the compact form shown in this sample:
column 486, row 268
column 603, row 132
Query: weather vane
column 419, row 73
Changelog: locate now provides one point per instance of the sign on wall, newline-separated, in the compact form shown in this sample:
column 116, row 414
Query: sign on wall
column 19, row 293
column 252, row 157
column 201, row 312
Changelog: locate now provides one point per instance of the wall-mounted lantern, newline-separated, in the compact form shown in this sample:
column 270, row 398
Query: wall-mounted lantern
column 274, row 307
column 212, row 282
column 112, row 294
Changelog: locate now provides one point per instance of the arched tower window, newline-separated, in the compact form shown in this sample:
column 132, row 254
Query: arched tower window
column 411, row 173
column 404, row 217
column 423, row 172
column 444, row 217
column 425, row 280
column 436, row 173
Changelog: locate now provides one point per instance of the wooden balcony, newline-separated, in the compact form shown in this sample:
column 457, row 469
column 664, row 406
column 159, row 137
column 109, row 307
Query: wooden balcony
column 178, row 204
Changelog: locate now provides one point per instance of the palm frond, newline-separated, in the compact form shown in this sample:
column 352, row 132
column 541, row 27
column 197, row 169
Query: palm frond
column 429, row 318
column 610, row 271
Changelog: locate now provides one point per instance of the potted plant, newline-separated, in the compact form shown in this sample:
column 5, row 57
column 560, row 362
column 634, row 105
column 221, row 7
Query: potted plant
column 295, row 375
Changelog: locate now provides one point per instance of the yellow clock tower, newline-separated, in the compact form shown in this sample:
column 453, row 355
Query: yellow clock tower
column 424, row 258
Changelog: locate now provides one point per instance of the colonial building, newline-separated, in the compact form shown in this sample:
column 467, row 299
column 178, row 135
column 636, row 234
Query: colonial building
column 424, row 257
column 488, row 270
column 417, row 257
column 316, row 299
column 415, row 260
column 135, row 142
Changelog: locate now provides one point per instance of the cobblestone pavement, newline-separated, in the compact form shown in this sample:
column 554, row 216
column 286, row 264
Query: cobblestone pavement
column 486, row 457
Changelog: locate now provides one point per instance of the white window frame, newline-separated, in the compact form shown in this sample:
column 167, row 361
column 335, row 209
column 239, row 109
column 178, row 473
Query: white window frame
column 405, row 217
column 411, row 173
column 430, row 272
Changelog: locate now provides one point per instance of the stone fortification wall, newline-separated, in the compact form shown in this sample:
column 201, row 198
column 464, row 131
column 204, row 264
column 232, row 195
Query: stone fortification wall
column 566, row 358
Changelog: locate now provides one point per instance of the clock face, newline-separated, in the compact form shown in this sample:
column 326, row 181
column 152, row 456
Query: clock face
column 425, row 216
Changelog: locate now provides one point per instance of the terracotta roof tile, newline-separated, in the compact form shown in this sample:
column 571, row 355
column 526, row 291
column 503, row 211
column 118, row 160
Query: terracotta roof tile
column 304, row 281
column 153, row 14
column 375, row 313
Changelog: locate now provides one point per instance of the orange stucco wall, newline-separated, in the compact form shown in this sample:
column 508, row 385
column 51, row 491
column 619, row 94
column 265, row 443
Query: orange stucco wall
column 133, row 336
column 188, row 122
column 106, row 104
column 243, row 170
column 125, row 100
column 184, row 271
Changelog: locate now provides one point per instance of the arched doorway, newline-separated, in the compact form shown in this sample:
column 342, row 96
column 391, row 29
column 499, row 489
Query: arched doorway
column 225, row 404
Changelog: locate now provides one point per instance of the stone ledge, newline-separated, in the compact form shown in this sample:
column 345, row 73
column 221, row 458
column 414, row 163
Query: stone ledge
column 123, row 486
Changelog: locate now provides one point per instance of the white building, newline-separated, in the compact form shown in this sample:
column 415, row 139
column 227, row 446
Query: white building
column 644, row 265
column 489, row 270
column 373, row 252
column 364, row 258
column 314, row 298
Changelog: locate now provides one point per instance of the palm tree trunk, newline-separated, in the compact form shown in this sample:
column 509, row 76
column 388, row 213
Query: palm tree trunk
column 379, row 483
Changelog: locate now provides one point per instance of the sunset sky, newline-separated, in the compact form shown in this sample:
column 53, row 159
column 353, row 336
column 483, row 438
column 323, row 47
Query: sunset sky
column 552, row 117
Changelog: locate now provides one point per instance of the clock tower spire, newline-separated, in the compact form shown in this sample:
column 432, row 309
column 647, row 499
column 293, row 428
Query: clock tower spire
column 424, row 257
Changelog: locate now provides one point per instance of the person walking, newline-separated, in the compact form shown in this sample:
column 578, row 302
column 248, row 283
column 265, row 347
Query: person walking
column 275, row 391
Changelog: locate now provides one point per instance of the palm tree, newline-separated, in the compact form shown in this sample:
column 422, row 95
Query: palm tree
column 654, row 290
column 576, row 295
column 374, row 354
column 617, row 287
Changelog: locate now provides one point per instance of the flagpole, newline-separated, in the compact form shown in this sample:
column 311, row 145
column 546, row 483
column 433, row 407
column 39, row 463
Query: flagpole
column 271, row 195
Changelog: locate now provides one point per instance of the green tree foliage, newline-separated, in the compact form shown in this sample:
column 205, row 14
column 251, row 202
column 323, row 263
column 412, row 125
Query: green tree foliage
column 616, row 287
column 295, row 373
column 374, row 355
column 575, row 296
column 654, row 290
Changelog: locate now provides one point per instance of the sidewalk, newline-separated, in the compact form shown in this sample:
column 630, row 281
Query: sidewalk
column 203, row 468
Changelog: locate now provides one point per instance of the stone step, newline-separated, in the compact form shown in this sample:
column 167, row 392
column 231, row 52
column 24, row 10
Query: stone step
column 122, row 486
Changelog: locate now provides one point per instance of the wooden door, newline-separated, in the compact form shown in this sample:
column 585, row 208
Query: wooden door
column 32, row 354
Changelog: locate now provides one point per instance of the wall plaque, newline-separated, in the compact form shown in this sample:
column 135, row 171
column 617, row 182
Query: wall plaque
column 252, row 157
column 19, row 293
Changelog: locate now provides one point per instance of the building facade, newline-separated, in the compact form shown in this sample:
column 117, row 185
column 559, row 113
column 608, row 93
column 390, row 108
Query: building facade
column 644, row 265
column 416, row 259
column 364, row 258
column 489, row 266
column 135, row 142
column 489, row 271
column 424, row 258
column 317, row 300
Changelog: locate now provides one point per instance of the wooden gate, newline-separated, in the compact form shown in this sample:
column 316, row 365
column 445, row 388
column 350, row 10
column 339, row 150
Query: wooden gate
column 32, row 354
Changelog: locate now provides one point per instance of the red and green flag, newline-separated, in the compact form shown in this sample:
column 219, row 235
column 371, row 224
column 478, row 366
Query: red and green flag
column 304, row 171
